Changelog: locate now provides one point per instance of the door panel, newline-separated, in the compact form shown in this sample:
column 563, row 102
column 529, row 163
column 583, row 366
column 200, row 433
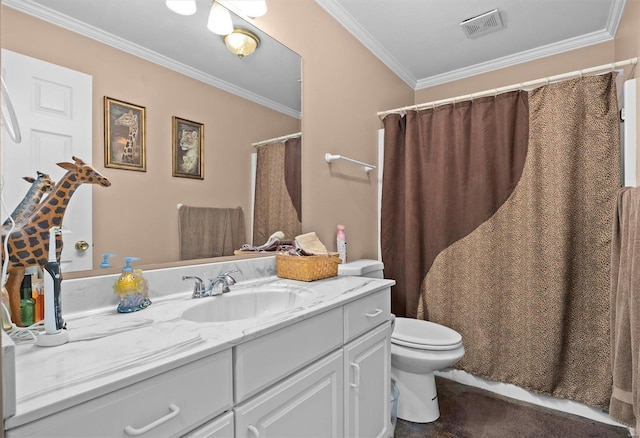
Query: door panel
column 53, row 105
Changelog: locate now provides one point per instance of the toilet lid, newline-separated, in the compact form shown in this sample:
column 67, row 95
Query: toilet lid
column 425, row 335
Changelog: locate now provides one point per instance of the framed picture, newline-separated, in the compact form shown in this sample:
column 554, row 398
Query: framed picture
column 124, row 135
column 188, row 148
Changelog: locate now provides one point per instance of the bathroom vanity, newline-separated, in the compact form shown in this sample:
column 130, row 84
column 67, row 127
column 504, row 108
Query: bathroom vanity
column 314, row 363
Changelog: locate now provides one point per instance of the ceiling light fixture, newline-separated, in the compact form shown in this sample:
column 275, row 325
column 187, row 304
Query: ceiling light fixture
column 182, row 7
column 241, row 42
column 219, row 20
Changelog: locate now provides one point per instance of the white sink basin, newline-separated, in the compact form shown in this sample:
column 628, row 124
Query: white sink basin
column 234, row 306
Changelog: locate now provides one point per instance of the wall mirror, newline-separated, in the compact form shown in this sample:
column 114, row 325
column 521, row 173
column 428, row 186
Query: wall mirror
column 173, row 66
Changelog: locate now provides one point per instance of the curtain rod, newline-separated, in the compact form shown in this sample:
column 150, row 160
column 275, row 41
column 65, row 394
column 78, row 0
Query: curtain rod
column 273, row 140
column 519, row 86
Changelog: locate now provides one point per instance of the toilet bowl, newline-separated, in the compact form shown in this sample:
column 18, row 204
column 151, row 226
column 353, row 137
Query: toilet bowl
column 418, row 348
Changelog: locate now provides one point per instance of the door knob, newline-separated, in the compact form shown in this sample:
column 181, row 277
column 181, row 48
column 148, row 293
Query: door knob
column 82, row 245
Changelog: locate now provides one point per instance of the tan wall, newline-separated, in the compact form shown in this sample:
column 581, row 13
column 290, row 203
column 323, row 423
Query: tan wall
column 344, row 86
column 153, row 195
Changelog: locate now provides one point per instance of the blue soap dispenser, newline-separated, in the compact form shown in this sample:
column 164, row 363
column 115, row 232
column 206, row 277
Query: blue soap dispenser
column 105, row 260
column 132, row 288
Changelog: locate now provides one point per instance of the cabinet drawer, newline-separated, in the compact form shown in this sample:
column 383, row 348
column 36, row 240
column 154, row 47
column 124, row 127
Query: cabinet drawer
column 182, row 397
column 366, row 313
column 267, row 359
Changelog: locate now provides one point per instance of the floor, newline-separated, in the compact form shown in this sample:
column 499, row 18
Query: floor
column 466, row 411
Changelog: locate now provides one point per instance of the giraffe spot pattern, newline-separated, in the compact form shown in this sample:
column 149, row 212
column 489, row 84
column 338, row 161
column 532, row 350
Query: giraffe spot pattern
column 44, row 236
column 22, row 254
column 34, row 241
column 45, row 210
column 19, row 244
column 66, row 184
column 43, row 224
column 60, row 194
column 37, row 253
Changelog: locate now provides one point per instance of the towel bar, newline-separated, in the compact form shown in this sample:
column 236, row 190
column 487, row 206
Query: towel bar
column 331, row 158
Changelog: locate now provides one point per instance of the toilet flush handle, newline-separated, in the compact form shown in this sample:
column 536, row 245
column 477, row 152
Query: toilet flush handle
column 356, row 375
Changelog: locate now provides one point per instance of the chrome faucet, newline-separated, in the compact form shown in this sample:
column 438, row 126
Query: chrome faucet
column 220, row 284
column 198, row 287
column 217, row 286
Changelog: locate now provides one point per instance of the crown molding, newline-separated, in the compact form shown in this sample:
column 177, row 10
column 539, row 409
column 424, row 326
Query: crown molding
column 346, row 20
column 518, row 58
column 49, row 15
column 343, row 17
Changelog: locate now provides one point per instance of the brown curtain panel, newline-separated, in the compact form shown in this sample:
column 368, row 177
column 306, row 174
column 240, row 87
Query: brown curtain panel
column 446, row 170
column 278, row 191
column 528, row 290
column 625, row 309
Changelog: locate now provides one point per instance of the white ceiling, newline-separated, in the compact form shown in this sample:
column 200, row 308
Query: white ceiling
column 423, row 43
column 148, row 29
column 420, row 40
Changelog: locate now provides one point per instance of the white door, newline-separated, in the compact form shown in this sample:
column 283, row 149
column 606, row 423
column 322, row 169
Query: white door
column 367, row 384
column 53, row 105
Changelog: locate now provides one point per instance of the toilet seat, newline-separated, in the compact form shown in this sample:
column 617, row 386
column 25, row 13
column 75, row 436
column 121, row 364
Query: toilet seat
column 424, row 335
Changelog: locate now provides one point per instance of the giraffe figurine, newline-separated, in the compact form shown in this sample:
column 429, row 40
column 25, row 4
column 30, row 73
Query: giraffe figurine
column 39, row 187
column 28, row 244
column 131, row 121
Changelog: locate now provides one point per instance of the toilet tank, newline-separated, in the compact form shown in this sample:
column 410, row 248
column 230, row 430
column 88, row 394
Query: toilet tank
column 362, row 268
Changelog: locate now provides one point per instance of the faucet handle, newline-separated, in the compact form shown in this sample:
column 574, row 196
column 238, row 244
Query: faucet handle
column 228, row 279
column 198, row 287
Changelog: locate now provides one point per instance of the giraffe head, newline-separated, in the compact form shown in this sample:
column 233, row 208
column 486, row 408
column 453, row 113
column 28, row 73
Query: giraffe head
column 44, row 181
column 127, row 119
column 85, row 173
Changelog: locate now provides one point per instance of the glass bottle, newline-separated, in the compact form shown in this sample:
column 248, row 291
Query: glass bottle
column 27, row 303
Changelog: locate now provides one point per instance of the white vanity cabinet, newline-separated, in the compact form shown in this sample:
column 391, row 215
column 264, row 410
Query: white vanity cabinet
column 166, row 405
column 324, row 373
column 343, row 394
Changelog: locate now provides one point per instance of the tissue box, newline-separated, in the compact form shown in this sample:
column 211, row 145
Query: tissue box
column 307, row 268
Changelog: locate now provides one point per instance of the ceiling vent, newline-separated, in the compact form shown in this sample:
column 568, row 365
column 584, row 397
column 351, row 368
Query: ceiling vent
column 482, row 24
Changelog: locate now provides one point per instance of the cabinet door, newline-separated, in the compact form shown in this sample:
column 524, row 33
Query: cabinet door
column 307, row 404
column 221, row 427
column 367, row 382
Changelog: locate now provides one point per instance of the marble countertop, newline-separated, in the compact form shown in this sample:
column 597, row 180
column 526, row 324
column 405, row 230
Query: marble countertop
column 108, row 350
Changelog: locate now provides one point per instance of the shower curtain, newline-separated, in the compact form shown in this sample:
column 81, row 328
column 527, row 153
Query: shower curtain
column 528, row 287
column 278, row 190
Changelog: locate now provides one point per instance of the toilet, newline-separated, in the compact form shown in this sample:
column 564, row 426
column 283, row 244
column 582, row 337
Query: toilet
column 418, row 348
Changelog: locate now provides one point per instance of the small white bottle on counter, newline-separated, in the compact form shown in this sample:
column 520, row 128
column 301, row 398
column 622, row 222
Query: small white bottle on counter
column 342, row 244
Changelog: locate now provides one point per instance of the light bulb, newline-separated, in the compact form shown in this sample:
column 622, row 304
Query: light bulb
column 182, row 7
column 219, row 20
column 241, row 42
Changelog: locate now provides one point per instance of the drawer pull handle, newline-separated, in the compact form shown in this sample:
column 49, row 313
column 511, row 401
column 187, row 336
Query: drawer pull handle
column 374, row 314
column 356, row 375
column 132, row 431
column 254, row 430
